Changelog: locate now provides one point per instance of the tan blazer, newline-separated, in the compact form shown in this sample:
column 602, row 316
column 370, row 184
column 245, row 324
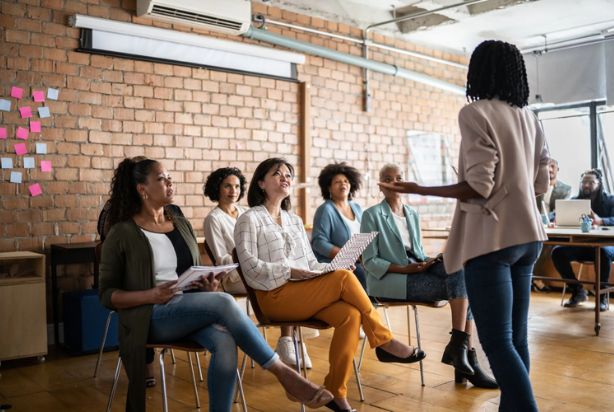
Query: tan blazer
column 504, row 158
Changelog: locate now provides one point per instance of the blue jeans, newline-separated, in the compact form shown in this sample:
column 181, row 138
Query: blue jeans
column 562, row 256
column 215, row 321
column 499, row 289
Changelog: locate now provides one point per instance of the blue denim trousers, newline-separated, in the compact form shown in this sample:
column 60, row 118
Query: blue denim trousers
column 499, row 289
column 215, row 321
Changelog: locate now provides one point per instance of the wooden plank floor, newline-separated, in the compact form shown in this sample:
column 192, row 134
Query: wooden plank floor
column 571, row 370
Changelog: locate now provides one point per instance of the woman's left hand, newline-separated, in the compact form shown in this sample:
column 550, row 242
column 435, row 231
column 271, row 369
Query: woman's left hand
column 209, row 283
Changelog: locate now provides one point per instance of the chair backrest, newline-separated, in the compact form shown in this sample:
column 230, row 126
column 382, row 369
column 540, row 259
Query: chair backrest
column 251, row 293
column 209, row 252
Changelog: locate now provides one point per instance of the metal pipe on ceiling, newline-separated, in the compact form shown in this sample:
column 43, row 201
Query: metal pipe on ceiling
column 308, row 48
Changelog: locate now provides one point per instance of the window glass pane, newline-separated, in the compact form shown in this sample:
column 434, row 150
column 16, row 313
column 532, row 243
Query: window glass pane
column 568, row 136
column 606, row 117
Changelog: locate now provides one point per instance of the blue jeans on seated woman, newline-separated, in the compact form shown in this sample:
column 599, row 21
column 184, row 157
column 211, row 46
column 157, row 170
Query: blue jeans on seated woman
column 215, row 321
column 499, row 288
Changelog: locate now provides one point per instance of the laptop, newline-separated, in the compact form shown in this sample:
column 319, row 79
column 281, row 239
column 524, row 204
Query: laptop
column 568, row 212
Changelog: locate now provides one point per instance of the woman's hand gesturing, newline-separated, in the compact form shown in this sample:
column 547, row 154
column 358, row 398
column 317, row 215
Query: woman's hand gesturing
column 163, row 292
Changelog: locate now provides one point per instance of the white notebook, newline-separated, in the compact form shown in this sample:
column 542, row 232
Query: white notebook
column 196, row 272
column 348, row 255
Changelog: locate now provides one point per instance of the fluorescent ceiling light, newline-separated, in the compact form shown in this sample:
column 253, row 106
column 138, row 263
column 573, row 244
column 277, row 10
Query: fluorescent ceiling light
column 152, row 43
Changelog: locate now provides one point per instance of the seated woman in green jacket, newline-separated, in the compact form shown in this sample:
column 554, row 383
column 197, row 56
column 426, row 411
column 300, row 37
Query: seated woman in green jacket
column 397, row 268
column 144, row 252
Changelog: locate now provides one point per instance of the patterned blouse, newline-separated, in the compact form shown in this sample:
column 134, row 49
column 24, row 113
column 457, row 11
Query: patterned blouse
column 267, row 251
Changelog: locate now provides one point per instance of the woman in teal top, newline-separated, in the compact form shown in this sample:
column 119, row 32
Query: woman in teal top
column 338, row 218
column 397, row 268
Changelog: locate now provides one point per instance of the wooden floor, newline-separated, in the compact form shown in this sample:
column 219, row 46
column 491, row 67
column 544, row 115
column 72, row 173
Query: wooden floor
column 572, row 370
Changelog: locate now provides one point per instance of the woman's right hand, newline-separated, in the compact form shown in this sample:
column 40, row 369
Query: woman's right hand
column 300, row 274
column 163, row 292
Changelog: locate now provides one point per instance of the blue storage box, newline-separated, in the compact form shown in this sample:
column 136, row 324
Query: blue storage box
column 84, row 320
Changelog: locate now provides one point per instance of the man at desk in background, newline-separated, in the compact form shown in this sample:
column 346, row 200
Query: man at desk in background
column 556, row 190
column 602, row 213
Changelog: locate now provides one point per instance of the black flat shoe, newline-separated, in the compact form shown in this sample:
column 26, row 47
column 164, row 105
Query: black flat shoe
column 416, row 356
column 332, row 405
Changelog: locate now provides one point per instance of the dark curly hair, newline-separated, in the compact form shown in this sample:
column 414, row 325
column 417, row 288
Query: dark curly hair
column 497, row 70
column 255, row 195
column 211, row 188
column 330, row 171
column 125, row 200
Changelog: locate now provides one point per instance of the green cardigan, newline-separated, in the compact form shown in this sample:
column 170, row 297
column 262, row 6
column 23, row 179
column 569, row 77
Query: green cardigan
column 126, row 264
column 387, row 248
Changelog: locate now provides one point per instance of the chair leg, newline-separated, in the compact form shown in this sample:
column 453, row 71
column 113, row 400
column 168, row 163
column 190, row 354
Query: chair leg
column 200, row 369
column 386, row 316
column 173, row 359
column 118, row 368
column 418, row 341
column 194, row 379
column 565, row 284
column 302, row 347
column 240, row 389
column 163, row 381
column 241, row 372
column 362, row 353
column 298, row 360
column 358, row 381
column 103, row 340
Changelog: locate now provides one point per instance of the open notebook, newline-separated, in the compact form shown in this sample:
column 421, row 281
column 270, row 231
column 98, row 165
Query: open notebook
column 195, row 272
column 348, row 255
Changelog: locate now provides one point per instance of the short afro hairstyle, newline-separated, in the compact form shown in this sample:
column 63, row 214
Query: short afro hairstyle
column 330, row 171
column 211, row 188
column 497, row 70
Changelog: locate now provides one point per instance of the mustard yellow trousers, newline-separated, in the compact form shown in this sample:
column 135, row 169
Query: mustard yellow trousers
column 339, row 300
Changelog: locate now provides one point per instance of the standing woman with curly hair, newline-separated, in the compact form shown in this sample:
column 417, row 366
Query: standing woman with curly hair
column 496, row 231
column 144, row 252
column 338, row 218
column 226, row 186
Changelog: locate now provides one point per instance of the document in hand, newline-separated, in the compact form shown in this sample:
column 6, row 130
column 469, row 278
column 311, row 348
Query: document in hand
column 349, row 253
column 196, row 272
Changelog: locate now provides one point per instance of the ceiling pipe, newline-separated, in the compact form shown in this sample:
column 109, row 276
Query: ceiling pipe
column 308, row 48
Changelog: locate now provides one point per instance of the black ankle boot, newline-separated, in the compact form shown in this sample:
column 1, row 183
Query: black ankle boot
column 455, row 353
column 479, row 378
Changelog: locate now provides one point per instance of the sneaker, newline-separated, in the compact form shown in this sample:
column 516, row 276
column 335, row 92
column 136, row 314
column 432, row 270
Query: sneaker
column 603, row 303
column 287, row 354
column 362, row 333
column 576, row 298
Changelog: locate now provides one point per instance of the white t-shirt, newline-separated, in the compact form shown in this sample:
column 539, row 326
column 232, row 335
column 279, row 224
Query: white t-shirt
column 403, row 230
column 353, row 225
column 164, row 257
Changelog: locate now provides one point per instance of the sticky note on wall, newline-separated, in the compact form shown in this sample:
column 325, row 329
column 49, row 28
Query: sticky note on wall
column 35, row 189
column 38, row 96
column 46, row 166
column 16, row 92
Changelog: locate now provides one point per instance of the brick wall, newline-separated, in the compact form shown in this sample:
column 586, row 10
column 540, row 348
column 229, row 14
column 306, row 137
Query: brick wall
column 194, row 120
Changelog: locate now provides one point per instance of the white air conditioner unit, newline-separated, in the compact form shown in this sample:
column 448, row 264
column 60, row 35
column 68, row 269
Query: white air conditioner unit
column 226, row 16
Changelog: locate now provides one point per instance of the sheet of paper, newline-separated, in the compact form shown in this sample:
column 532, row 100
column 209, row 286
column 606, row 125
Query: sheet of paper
column 43, row 112
column 16, row 92
column 46, row 166
column 15, row 177
column 38, row 96
column 29, row 163
column 52, row 94
column 196, row 272
column 7, row 162
column 35, row 189
column 35, row 126
column 41, row 148
column 22, row 133
column 20, row 149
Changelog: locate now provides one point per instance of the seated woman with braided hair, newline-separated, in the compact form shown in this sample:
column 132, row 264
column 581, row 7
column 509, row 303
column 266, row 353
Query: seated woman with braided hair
column 144, row 252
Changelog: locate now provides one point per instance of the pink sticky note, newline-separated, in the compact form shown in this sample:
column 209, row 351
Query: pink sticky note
column 25, row 112
column 38, row 95
column 20, row 149
column 35, row 127
column 16, row 92
column 35, row 189
column 3, row 133
column 22, row 133
column 46, row 166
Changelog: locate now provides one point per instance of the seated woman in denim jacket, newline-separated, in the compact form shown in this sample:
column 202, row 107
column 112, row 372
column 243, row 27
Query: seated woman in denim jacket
column 397, row 268
column 338, row 218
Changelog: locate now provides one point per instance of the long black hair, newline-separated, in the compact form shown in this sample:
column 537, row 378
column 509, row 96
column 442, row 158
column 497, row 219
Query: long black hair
column 256, row 195
column 125, row 200
column 497, row 70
